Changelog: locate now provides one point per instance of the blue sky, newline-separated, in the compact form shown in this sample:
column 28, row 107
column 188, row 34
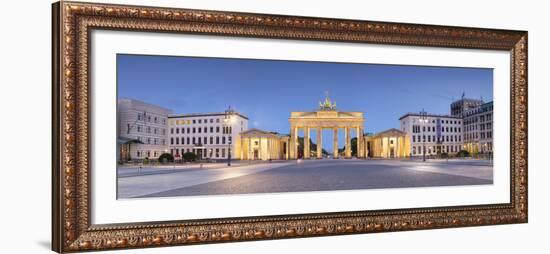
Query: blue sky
column 268, row 90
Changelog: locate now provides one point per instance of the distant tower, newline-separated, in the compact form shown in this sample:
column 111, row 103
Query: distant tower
column 464, row 104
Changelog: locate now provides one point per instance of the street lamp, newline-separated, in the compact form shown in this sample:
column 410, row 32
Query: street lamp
column 423, row 121
column 228, row 120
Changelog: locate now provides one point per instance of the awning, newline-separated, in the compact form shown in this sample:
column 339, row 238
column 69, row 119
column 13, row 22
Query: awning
column 124, row 141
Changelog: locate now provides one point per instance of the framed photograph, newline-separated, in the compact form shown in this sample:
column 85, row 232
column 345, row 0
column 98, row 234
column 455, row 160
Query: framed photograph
column 178, row 126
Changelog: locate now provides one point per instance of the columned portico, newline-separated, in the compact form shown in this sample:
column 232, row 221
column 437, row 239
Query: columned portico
column 327, row 117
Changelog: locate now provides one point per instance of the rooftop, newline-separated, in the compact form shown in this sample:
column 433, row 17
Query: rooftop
column 206, row 114
column 430, row 115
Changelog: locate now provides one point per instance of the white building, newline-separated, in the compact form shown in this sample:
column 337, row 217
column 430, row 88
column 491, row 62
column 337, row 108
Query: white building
column 142, row 130
column 207, row 135
column 438, row 133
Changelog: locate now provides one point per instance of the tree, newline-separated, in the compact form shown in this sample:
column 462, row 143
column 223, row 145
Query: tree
column 189, row 156
column 463, row 153
column 166, row 157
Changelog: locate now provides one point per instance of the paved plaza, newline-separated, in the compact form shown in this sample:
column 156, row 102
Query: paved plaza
column 296, row 176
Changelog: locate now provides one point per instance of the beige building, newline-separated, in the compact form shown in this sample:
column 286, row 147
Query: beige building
column 391, row 143
column 326, row 117
column 257, row 144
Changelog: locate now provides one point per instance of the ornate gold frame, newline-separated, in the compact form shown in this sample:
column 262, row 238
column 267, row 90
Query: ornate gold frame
column 71, row 227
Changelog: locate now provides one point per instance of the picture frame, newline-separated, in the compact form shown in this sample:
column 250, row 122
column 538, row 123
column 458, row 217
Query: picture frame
column 72, row 227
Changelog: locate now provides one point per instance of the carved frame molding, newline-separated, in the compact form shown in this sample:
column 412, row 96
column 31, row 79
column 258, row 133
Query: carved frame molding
column 71, row 226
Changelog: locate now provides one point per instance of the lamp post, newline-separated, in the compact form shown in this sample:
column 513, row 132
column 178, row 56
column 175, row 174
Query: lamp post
column 423, row 121
column 228, row 121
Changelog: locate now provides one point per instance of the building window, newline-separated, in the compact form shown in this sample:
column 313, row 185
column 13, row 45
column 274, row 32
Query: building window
column 171, row 141
column 223, row 152
column 217, row 140
column 217, row 120
column 193, row 128
column 205, row 130
column 204, row 140
column 177, row 130
column 223, row 140
column 218, row 128
column 211, row 139
column 194, row 141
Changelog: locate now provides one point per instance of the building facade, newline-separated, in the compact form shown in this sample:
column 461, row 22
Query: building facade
column 209, row 136
column 142, row 130
column 391, row 143
column 432, row 134
column 459, row 107
column 478, row 129
column 257, row 144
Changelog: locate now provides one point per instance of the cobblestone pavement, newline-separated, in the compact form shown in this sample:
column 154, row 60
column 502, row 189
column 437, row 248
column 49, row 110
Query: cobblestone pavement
column 316, row 175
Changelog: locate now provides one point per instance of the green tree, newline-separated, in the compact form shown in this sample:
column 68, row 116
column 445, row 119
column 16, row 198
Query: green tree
column 189, row 156
column 463, row 153
column 166, row 157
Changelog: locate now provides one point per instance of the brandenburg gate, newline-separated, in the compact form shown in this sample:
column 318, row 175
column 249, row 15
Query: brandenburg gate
column 327, row 117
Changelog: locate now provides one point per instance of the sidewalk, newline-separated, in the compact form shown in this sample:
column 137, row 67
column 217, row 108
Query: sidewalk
column 136, row 186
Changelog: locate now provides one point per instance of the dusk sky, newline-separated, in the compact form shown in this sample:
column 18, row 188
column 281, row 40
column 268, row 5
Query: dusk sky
column 266, row 91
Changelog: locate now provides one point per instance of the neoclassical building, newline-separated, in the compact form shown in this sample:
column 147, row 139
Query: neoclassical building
column 257, row 144
column 391, row 143
column 326, row 117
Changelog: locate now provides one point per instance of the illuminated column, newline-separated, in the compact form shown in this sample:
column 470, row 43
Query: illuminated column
column 306, row 143
column 269, row 150
column 348, row 142
column 319, row 143
column 249, row 148
column 295, row 145
column 359, row 132
column 398, row 146
column 386, row 147
column 287, row 145
column 260, row 148
column 335, row 143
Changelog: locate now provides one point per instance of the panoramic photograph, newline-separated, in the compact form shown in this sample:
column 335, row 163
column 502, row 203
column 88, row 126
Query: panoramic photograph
column 190, row 126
